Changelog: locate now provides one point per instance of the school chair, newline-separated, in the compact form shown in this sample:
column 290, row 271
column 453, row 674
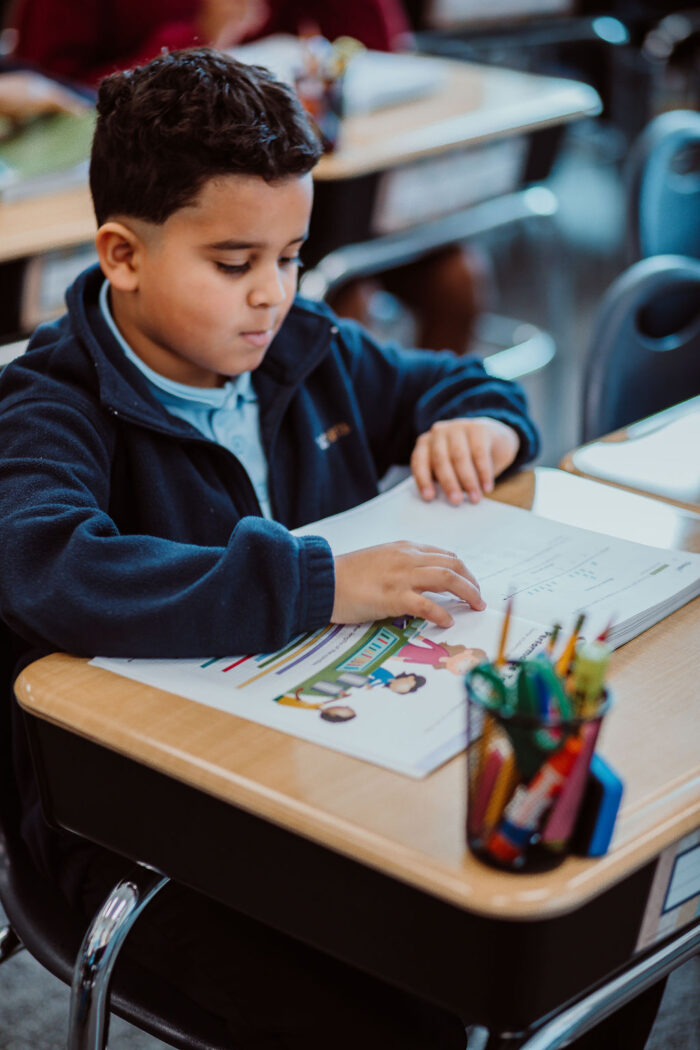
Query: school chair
column 663, row 184
column 511, row 349
column 41, row 921
column 644, row 352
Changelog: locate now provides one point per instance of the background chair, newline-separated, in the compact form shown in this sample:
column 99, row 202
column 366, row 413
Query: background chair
column 510, row 348
column 42, row 922
column 644, row 354
column 663, row 179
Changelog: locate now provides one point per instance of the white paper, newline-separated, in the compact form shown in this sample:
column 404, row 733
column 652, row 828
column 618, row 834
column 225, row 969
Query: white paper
column 653, row 461
column 352, row 672
column 345, row 671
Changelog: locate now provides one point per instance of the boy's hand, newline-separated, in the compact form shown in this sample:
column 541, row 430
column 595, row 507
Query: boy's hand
column 463, row 456
column 390, row 580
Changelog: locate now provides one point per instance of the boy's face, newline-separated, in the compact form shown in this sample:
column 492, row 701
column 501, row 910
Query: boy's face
column 217, row 278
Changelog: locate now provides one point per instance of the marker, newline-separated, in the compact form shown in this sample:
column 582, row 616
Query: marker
column 590, row 666
column 501, row 658
column 562, row 816
column 530, row 802
column 563, row 663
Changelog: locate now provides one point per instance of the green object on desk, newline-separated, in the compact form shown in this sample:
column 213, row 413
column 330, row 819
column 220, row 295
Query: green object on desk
column 48, row 147
column 532, row 709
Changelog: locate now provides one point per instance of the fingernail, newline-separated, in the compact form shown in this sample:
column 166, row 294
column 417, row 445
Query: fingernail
column 488, row 487
column 426, row 493
column 456, row 496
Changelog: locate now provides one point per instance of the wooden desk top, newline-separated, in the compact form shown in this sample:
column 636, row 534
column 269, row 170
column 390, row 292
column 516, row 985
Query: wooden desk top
column 41, row 224
column 476, row 103
column 657, row 456
column 413, row 830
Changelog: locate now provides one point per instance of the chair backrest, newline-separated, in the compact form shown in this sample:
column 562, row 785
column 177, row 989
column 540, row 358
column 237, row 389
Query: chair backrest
column 663, row 181
column 644, row 354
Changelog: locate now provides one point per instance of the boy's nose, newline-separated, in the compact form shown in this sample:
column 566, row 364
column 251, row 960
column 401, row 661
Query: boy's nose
column 268, row 289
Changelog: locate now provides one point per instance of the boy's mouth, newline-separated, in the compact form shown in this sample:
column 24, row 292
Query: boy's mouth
column 258, row 338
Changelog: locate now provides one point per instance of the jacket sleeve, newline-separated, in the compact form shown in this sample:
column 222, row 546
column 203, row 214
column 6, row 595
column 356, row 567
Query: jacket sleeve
column 402, row 392
column 69, row 580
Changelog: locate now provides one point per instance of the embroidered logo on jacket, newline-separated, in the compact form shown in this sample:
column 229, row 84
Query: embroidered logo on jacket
column 331, row 435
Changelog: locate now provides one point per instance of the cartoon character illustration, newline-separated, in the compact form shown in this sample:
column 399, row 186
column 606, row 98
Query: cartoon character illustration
column 455, row 658
column 403, row 683
column 334, row 713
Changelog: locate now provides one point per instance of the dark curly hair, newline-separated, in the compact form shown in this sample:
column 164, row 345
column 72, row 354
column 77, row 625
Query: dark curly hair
column 165, row 128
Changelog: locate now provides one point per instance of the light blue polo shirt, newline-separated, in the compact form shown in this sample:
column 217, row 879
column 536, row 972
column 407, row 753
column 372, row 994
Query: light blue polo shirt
column 226, row 414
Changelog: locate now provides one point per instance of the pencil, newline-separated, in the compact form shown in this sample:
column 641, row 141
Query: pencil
column 556, row 628
column 603, row 636
column 564, row 662
column 501, row 658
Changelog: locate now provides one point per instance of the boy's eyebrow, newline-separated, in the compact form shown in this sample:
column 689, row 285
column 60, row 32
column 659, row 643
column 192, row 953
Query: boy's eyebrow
column 233, row 246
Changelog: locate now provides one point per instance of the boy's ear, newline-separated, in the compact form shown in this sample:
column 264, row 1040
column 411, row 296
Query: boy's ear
column 119, row 249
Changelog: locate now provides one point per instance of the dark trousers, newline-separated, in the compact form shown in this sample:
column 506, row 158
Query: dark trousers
column 278, row 994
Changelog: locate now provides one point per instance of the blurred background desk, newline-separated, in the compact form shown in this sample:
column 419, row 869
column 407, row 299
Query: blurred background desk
column 390, row 887
column 463, row 142
column 657, row 456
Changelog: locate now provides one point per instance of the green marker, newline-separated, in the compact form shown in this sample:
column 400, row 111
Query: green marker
column 590, row 667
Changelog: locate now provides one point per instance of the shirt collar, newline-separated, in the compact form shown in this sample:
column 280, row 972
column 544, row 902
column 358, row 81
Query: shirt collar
column 233, row 392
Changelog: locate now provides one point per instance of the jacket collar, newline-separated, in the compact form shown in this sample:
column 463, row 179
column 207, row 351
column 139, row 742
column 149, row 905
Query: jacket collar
column 293, row 354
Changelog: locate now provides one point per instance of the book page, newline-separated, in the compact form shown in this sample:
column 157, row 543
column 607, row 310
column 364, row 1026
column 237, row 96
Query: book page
column 553, row 570
column 391, row 692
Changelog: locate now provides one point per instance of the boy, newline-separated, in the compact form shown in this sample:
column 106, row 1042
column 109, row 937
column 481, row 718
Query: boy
column 163, row 436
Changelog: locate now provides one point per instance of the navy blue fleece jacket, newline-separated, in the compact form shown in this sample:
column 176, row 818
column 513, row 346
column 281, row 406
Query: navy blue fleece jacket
column 124, row 532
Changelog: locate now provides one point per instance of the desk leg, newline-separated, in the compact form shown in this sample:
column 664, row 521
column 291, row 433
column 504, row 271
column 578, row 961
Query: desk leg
column 89, row 1005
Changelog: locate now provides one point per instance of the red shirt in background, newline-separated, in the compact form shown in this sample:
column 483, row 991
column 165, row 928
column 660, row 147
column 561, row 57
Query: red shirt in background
column 85, row 41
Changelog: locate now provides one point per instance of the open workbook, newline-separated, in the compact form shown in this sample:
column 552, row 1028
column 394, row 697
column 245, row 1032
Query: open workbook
column 392, row 692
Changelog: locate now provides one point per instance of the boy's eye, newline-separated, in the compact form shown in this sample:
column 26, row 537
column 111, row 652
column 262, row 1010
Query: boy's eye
column 234, row 268
column 290, row 260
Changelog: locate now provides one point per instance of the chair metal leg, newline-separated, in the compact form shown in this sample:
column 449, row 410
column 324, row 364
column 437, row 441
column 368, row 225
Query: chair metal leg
column 89, row 1004
column 9, row 943
column 615, row 993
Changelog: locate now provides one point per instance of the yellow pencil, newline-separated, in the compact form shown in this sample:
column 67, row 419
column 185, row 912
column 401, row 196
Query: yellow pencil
column 564, row 662
column 501, row 658
column 556, row 628
column 501, row 792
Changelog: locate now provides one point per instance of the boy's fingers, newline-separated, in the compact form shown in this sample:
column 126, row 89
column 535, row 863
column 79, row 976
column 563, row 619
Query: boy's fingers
column 420, row 468
column 443, row 469
column 444, row 580
column 421, row 606
column 462, row 458
column 481, row 459
column 441, row 561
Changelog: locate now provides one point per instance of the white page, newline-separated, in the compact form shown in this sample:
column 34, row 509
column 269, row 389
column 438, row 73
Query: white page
column 411, row 733
column 554, row 570
column 651, row 461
